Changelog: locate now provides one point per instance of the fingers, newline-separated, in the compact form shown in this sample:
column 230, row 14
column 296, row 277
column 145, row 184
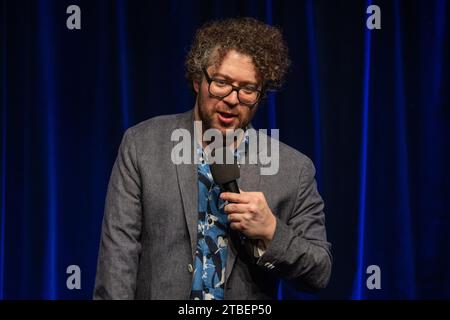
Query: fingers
column 236, row 208
column 235, row 197
column 234, row 217
column 235, row 226
column 238, row 226
column 239, row 217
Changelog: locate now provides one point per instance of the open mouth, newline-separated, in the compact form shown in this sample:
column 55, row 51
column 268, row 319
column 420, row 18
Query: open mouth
column 227, row 115
column 226, row 118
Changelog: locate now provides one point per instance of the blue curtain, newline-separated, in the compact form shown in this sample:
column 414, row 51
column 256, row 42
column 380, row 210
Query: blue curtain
column 370, row 107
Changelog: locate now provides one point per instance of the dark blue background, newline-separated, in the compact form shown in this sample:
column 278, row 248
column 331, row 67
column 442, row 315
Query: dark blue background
column 371, row 108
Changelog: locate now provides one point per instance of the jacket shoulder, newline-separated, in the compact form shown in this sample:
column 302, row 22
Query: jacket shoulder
column 157, row 124
column 292, row 159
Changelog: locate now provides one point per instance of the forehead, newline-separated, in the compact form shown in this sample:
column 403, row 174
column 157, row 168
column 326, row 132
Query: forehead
column 236, row 66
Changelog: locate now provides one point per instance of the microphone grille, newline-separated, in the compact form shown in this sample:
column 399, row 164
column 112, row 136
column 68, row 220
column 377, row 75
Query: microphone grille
column 223, row 172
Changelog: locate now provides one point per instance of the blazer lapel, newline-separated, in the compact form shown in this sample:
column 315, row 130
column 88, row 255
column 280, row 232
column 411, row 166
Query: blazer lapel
column 187, row 180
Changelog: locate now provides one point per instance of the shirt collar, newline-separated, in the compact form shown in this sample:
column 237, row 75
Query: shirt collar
column 238, row 152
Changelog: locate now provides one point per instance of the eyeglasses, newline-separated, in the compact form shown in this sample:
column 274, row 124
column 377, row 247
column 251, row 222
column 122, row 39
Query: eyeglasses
column 220, row 88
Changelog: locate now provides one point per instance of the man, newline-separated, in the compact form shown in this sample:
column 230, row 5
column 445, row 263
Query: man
column 168, row 230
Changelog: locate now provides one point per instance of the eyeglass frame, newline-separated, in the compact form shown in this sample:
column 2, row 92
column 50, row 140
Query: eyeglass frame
column 210, row 79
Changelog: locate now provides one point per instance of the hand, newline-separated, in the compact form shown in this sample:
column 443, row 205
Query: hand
column 250, row 214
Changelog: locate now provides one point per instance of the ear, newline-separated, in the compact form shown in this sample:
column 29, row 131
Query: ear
column 196, row 85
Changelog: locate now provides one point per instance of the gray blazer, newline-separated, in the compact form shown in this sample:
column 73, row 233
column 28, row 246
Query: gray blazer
column 149, row 231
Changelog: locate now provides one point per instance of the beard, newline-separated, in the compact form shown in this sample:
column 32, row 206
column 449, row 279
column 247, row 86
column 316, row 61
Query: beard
column 208, row 115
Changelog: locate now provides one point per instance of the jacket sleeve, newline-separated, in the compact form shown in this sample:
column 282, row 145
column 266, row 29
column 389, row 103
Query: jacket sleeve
column 299, row 251
column 120, row 245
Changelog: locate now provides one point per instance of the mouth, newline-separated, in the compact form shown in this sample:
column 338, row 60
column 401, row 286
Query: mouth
column 226, row 118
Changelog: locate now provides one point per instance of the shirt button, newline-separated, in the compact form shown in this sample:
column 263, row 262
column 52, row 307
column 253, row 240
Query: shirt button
column 190, row 268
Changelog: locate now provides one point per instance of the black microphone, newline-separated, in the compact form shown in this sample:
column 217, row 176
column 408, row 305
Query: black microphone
column 225, row 174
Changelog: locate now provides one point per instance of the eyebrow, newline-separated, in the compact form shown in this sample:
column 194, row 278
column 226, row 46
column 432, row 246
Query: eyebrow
column 241, row 83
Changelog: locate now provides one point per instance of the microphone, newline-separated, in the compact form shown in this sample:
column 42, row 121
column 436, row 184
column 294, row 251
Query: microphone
column 225, row 174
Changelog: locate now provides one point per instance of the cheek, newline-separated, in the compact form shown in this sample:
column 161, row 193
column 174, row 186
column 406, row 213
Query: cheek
column 209, row 103
column 247, row 114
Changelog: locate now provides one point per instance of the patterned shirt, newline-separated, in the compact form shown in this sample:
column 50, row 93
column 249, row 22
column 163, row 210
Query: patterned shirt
column 212, row 236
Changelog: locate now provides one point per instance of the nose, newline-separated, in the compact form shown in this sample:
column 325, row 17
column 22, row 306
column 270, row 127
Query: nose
column 232, row 98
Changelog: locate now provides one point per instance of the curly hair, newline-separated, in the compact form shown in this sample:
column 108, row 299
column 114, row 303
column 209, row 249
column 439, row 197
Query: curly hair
column 262, row 42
